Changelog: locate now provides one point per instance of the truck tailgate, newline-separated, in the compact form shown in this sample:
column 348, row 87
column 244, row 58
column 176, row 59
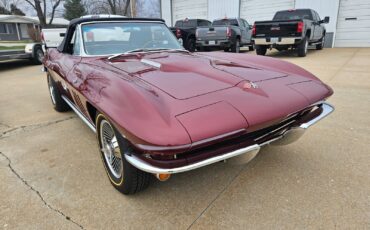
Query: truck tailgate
column 277, row 28
column 212, row 33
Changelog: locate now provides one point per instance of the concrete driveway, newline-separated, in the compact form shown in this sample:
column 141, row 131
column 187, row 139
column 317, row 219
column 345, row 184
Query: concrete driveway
column 51, row 175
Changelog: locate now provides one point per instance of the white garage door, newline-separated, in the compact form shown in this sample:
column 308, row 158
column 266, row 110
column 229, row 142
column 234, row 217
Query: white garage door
column 220, row 9
column 182, row 9
column 353, row 28
column 257, row 10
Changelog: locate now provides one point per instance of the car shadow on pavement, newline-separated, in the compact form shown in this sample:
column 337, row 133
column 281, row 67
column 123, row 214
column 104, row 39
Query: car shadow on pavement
column 286, row 53
column 13, row 64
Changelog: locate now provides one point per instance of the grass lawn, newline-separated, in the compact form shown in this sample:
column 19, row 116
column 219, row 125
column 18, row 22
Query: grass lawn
column 22, row 41
column 2, row 48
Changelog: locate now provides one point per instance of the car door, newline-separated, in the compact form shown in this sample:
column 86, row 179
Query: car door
column 75, row 77
column 248, row 35
column 243, row 31
column 62, row 66
column 320, row 27
column 317, row 27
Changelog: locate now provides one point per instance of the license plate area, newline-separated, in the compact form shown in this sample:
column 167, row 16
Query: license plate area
column 212, row 43
column 274, row 40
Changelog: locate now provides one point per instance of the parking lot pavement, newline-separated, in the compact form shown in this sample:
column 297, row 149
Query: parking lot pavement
column 52, row 176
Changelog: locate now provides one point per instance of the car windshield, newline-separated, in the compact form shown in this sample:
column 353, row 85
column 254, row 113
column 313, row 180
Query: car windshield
column 293, row 15
column 119, row 37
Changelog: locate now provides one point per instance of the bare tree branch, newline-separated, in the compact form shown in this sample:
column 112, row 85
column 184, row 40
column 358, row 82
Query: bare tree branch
column 29, row 1
column 53, row 11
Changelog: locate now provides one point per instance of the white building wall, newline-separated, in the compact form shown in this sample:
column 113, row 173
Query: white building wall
column 166, row 11
column 259, row 10
column 220, row 9
column 182, row 9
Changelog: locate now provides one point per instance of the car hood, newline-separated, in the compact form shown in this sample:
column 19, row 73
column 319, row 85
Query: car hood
column 244, row 94
column 185, row 76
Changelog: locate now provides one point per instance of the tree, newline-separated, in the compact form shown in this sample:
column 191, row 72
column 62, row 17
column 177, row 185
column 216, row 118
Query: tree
column 16, row 11
column 42, row 10
column 73, row 9
column 3, row 10
column 120, row 7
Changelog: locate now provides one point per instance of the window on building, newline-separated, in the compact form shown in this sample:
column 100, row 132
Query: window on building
column 3, row 28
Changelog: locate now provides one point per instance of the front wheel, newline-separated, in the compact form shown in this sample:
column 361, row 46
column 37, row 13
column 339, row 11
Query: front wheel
column 124, row 177
column 38, row 55
column 302, row 48
column 56, row 98
column 190, row 44
column 320, row 46
column 235, row 48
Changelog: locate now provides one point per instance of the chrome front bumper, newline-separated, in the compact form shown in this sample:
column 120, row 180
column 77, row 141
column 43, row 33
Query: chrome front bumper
column 281, row 41
column 239, row 155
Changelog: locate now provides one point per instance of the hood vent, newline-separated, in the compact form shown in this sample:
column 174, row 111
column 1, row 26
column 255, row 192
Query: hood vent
column 151, row 63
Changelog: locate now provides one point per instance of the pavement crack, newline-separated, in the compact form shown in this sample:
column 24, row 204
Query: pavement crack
column 25, row 128
column 344, row 65
column 215, row 198
column 24, row 181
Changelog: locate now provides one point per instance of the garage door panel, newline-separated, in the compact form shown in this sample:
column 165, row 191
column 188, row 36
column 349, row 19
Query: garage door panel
column 256, row 10
column 350, row 34
column 182, row 9
column 355, row 32
column 352, row 43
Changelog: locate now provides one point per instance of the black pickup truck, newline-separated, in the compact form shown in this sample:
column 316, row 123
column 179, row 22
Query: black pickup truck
column 296, row 29
column 185, row 29
column 226, row 33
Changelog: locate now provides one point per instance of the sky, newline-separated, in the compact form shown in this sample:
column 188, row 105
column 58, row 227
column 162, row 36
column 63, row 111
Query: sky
column 145, row 8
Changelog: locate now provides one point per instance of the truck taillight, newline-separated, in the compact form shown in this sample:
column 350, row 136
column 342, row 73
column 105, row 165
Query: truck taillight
column 178, row 33
column 196, row 33
column 42, row 36
column 254, row 30
column 300, row 27
column 228, row 31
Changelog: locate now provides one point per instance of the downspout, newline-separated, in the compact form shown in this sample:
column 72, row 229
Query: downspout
column 17, row 28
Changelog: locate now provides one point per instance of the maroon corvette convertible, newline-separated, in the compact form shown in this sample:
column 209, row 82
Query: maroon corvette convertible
column 158, row 109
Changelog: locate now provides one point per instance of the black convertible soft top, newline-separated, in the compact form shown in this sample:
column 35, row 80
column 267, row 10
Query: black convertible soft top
column 74, row 22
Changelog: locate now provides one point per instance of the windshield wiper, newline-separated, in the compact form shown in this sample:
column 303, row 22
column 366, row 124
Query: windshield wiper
column 139, row 50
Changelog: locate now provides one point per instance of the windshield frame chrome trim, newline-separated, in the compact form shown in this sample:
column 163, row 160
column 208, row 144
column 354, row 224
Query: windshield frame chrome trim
column 79, row 27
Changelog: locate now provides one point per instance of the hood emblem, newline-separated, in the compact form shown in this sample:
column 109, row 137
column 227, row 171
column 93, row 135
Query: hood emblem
column 250, row 85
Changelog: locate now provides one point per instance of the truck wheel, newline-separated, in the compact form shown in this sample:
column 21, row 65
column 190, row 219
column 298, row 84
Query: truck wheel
column 261, row 50
column 190, row 44
column 302, row 48
column 251, row 48
column 320, row 46
column 235, row 48
column 226, row 49
column 38, row 55
column 56, row 98
column 124, row 177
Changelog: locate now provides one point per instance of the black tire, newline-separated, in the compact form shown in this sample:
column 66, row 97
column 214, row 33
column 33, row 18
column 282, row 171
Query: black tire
column 302, row 48
column 131, row 180
column 37, row 55
column 251, row 48
column 190, row 44
column 261, row 50
column 235, row 48
column 320, row 46
column 226, row 49
column 56, row 98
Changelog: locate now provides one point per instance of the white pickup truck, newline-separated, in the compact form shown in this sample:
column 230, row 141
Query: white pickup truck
column 32, row 52
column 35, row 51
column 51, row 38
